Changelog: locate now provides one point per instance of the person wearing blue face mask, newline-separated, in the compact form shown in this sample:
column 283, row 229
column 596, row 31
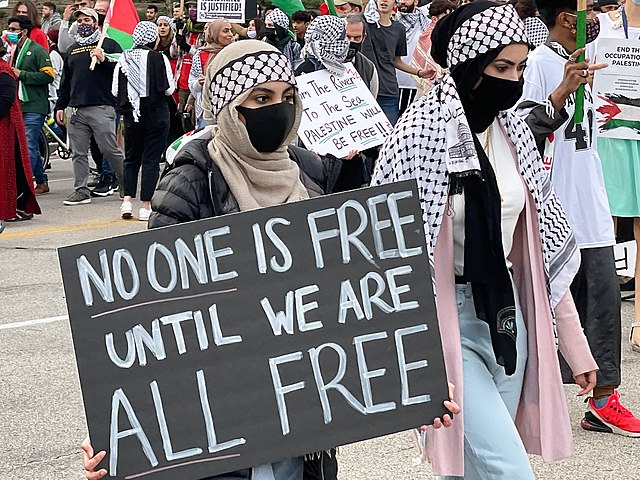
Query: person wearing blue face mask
column 32, row 67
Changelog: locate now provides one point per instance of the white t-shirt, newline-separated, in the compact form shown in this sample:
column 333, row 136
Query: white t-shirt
column 511, row 190
column 576, row 172
column 404, row 79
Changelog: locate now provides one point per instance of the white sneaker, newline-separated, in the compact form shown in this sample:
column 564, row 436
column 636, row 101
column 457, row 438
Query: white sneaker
column 125, row 210
column 143, row 214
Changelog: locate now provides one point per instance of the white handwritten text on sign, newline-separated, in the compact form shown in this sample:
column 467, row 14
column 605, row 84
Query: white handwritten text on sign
column 340, row 114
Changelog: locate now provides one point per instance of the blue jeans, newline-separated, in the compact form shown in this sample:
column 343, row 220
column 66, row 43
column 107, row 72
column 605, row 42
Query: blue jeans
column 290, row 469
column 492, row 446
column 33, row 125
column 390, row 106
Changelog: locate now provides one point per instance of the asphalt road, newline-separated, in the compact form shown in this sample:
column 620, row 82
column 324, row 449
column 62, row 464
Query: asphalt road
column 41, row 415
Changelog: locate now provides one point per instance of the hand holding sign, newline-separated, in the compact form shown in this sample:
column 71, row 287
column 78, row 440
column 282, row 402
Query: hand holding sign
column 340, row 114
column 245, row 339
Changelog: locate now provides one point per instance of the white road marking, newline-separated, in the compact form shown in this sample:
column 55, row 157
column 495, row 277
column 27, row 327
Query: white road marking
column 30, row 323
column 60, row 179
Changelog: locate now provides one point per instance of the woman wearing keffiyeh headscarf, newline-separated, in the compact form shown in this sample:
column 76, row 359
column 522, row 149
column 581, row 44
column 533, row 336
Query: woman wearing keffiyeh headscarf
column 141, row 81
column 277, row 33
column 502, row 251
column 244, row 162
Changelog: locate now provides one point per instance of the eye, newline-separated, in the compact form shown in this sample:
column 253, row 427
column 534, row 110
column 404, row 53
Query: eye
column 261, row 99
column 502, row 69
column 289, row 98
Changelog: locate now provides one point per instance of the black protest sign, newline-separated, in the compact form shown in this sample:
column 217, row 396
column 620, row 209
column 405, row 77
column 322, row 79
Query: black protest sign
column 236, row 341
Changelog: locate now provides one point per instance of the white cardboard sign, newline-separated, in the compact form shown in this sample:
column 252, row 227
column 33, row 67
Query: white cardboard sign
column 625, row 257
column 231, row 10
column 617, row 89
column 339, row 113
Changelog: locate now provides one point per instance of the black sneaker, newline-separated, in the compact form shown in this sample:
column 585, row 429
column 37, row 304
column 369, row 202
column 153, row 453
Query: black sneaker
column 78, row 197
column 95, row 181
column 102, row 190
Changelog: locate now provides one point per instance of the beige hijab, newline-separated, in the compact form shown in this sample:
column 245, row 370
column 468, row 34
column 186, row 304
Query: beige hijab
column 255, row 179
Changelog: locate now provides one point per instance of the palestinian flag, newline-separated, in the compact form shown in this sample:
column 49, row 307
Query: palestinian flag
column 329, row 8
column 619, row 111
column 287, row 6
column 122, row 18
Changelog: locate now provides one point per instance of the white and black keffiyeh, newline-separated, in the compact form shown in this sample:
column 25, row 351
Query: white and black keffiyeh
column 133, row 63
column 433, row 140
column 537, row 31
column 169, row 20
column 488, row 30
column 371, row 14
column 278, row 17
column 326, row 40
column 264, row 64
column 84, row 41
column 416, row 19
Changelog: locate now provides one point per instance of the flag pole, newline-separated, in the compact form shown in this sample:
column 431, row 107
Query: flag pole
column 581, row 41
column 103, row 34
column 332, row 7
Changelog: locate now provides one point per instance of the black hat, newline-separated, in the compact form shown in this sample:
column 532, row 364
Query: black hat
column 603, row 3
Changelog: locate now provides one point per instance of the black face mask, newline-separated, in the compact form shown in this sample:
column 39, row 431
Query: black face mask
column 270, row 34
column 491, row 96
column 593, row 29
column 356, row 47
column 101, row 19
column 268, row 127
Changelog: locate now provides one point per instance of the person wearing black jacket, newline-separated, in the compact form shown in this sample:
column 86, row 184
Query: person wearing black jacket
column 247, row 163
column 141, row 82
column 88, row 93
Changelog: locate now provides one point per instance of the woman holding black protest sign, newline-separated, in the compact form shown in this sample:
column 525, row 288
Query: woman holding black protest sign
column 503, row 252
column 243, row 163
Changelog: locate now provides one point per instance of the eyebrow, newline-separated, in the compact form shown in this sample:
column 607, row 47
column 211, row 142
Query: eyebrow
column 267, row 90
column 509, row 62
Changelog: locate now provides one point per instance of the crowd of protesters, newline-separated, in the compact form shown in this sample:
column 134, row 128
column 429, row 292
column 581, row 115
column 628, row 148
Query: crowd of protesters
column 478, row 92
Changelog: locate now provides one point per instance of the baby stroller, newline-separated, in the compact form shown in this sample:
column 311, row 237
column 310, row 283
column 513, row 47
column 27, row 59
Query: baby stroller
column 53, row 135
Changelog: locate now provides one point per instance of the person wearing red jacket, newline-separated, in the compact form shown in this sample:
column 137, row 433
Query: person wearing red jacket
column 28, row 9
column 17, row 197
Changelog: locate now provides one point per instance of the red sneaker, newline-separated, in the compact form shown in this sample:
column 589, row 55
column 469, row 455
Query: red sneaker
column 617, row 418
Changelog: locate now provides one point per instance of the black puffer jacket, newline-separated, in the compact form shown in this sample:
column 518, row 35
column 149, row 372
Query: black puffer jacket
column 194, row 188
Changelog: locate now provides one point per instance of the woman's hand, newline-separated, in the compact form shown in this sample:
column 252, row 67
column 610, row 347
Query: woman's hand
column 450, row 405
column 201, row 79
column 587, row 381
column 91, row 461
column 350, row 155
